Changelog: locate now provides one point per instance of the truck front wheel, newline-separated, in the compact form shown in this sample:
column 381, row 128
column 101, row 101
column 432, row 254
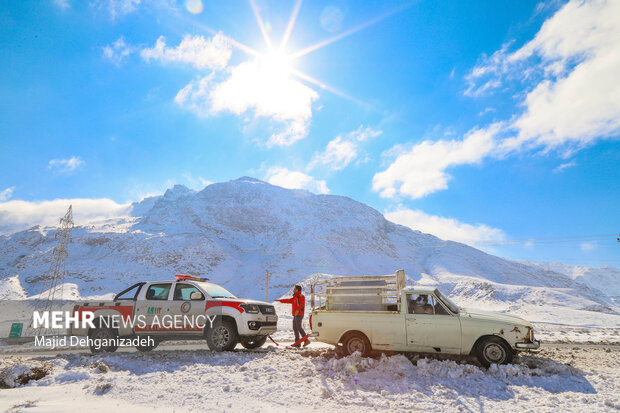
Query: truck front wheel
column 493, row 350
column 222, row 336
column 356, row 342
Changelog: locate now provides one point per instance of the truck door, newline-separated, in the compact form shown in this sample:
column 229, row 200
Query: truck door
column 188, row 304
column 152, row 307
column 430, row 327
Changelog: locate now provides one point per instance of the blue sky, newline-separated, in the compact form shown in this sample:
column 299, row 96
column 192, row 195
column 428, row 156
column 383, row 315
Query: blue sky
column 492, row 123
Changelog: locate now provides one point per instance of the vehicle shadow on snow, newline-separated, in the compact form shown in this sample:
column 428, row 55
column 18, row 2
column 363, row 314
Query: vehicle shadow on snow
column 400, row 374
column 168, row 361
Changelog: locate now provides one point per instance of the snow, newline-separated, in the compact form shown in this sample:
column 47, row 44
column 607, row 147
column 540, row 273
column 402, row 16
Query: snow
column 317, row 380
column 11, row 289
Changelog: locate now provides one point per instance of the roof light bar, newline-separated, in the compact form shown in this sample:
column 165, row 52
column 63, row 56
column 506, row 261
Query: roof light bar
column 190, row 278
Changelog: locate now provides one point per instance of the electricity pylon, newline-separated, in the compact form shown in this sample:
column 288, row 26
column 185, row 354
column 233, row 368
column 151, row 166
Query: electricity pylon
column 57, row 270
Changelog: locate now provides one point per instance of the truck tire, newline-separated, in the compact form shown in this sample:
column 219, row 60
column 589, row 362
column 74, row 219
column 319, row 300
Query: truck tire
column 222, row 336
column 101, row 333
column 356, row 342
column 253, row 342
column 493, row 350
column 147, row 347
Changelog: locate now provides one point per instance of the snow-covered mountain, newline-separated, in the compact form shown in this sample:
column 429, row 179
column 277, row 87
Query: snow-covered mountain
column 605, row 278
column 233, row 232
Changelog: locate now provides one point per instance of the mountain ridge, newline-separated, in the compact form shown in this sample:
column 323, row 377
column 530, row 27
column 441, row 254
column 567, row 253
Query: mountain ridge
column 232, row 232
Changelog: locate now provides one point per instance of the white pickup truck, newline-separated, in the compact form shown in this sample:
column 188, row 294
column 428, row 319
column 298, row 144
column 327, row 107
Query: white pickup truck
column 379, row 313
column 184, row 309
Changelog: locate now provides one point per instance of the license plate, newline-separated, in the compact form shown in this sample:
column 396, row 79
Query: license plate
column 271, row 318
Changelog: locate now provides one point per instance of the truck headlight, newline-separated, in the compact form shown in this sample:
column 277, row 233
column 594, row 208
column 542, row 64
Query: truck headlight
column 250, row 308
column 531, row 334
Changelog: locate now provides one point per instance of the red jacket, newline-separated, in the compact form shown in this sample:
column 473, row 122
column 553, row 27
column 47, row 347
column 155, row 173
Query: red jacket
column 298, row 301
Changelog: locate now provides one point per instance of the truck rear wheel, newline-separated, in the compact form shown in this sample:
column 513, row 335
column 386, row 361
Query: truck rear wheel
column 356, row 342
column 222, row 336
column 100, row 334
column 253, row 342
column 493, row 350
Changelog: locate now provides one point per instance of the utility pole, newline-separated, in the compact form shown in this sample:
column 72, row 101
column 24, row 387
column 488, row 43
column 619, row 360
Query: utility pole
column 267, row 288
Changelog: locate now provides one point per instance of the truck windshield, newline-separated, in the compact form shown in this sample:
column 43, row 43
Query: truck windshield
column 215, row 291
column 453, row 307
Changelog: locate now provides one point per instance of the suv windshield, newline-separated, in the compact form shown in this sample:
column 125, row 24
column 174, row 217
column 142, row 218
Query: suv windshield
column 215, row 291
column 449, row 303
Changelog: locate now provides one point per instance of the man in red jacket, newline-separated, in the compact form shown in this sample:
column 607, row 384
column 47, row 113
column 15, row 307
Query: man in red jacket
column 299, row 303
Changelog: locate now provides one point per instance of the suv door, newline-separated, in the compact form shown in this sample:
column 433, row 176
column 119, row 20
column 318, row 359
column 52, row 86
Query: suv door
column 430, row 326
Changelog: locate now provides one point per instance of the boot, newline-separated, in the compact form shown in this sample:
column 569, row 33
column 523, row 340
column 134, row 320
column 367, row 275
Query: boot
column 306, row 343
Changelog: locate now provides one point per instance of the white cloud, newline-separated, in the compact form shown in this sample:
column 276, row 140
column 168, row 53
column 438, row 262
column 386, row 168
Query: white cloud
column 198, row 182
column 421, row 170
column 66, row 166
column 213, row 53
column 571, row 69
column 18, row 215
column 120, row 7
column 6, row 193
column 344, row 149
column 588, row 246
column 62, row 4
column 488, row 72
column 445, row 228
column 117, row 51
column 295, row 180
column 563, row 166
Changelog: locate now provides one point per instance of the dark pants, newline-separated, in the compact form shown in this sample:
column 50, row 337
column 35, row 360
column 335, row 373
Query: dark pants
column 299, row 331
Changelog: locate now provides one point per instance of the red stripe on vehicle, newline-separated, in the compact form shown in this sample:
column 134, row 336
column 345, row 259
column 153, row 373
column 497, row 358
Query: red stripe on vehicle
column 216, row 303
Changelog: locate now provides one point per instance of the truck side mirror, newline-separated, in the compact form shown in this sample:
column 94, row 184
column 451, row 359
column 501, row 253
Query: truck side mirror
column 196, row 295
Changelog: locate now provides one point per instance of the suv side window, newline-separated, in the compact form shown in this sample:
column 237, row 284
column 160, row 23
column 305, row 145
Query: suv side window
column 184, row 292
column 158, row 291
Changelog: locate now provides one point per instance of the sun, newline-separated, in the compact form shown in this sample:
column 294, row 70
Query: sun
column 276, row 63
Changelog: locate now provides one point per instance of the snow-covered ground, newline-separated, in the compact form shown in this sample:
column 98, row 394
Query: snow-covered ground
column 313, row 380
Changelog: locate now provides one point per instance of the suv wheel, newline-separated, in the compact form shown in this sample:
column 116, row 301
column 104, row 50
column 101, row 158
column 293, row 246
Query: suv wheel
column 493, row 350
column 222, row 336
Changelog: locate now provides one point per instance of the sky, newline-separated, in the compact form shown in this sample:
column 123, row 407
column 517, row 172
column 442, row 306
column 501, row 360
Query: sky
column 494, row 123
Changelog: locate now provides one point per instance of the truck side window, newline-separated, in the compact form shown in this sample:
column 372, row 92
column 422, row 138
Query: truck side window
column 419, row 304
column 158, row 292
column 184, row 292
column 439, row 309
column 130, row 293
